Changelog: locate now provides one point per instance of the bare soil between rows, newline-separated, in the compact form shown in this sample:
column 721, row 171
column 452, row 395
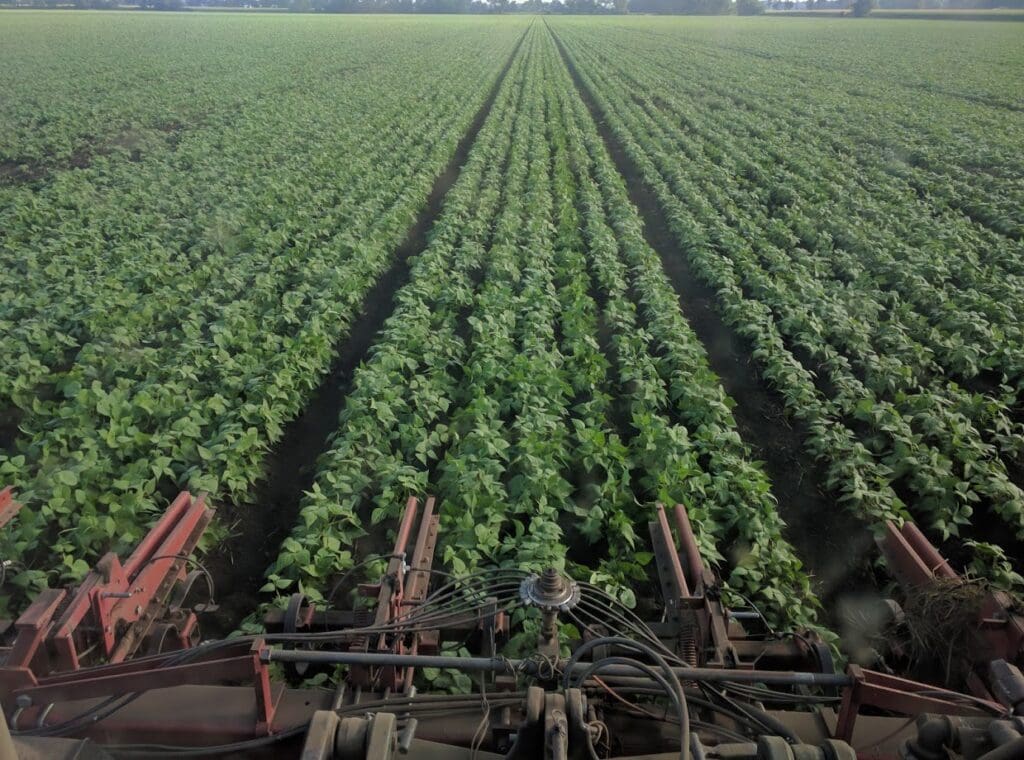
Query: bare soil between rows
column 835, row 547
column 9, row 421
column 259, row 526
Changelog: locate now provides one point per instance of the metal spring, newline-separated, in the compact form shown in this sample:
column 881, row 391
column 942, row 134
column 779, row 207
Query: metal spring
column 688, row 645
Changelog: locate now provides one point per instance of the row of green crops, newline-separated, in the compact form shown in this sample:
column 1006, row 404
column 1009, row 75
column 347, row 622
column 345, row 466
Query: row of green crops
column 164, row 314
column 193, row 209
column 867, row 246
column 538, row 377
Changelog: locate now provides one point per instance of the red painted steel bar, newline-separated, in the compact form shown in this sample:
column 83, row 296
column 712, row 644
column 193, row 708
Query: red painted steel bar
column 927, row 552
column 903, row 561
column 156, row 537
column 673, row 553
column 688, row 544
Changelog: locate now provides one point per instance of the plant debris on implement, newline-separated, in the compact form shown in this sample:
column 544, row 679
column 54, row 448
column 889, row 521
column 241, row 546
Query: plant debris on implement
column 117, row 666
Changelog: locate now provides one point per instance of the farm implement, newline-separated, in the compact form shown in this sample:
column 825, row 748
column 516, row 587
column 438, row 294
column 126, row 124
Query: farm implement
column 499, row 663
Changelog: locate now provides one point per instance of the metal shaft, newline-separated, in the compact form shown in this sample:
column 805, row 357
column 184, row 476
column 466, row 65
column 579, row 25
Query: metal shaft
column 530, row 667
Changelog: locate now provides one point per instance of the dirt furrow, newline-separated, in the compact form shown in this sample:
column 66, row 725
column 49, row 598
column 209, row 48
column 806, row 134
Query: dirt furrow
column 830, row 541
column 260, row 525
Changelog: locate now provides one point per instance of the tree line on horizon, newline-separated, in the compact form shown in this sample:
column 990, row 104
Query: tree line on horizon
column 583, row 7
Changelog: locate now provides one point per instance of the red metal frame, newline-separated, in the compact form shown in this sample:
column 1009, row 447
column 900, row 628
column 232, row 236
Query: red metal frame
column 401, row 588
column 911, row 558
column 9, row 508
column 404, row 585
column 114, row 608
column 47, row 674
column 915, row 563
column 699, row 623
column 108, row 618
column 901, row 695
column 230, row 664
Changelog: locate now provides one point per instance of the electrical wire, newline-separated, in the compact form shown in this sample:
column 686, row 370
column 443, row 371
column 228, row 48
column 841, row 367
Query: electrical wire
column 639, row 628
column 992, row 708
column 606, row 606
column 358, row 566
column 461, row 599
column 591, row 750
column 755, row 608
column 674, row 687
column 666, row 687
column 770, row 724
column 481, row 730
column 696, row 698
column 622, row 699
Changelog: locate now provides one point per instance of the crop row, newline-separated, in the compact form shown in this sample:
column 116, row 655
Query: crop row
column 539, row 377
column 83, row 89
column 905, row 98
column 164, row 318
column 860, row 311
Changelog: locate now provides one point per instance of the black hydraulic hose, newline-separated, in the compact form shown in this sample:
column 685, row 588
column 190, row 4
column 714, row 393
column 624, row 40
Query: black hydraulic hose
column 358, row 566
column 673, row 679
column 766, row 720
column 1010, row 751
column 601, row 615
column 697, row 698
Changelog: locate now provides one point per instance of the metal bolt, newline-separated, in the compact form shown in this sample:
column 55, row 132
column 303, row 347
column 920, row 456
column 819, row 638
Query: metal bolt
column 23, row 701
column 550, row 582
column 549, row 589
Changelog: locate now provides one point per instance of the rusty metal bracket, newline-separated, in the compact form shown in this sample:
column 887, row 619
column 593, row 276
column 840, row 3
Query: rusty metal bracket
column 901, row 695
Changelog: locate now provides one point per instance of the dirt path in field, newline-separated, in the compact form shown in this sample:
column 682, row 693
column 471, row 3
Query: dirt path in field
column 262, row 523
column 831, row 542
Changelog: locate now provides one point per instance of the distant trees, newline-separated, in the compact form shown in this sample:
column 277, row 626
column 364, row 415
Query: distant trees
column 699, row 7
column 677, row 7
column 162, row 5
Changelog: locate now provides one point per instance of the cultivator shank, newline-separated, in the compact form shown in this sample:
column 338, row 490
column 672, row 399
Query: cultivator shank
column 118, row 609
column 698, row 624
column 992, row 647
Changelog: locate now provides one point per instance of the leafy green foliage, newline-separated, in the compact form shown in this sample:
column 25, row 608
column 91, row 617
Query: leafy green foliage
column 175, row 304
column 874, row 301
column 572, row 392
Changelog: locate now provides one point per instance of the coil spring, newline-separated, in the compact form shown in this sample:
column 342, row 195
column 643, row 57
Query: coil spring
column 688, row 645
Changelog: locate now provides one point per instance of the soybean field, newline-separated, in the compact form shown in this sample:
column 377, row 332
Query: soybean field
column 551, row 270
